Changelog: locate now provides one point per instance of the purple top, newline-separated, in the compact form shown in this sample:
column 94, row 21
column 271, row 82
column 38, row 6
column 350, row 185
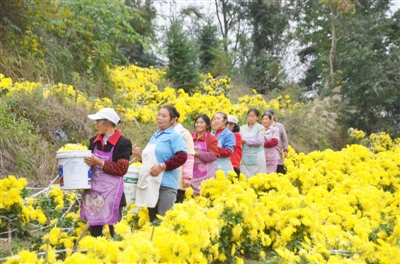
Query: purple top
column 255, row 142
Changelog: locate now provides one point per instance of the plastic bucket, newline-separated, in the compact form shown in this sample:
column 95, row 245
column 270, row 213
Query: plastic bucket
column 73, row 172
column 130, row 183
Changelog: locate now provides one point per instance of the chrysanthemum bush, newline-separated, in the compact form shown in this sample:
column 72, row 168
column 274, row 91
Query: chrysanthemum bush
column 138, row 98
column 331, row 207
column 45, row 219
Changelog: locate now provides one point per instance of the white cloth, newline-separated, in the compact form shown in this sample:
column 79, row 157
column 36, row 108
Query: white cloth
column 148, row 187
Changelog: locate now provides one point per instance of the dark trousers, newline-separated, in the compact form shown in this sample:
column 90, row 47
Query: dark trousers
column 237, row 170
column 180, row 196
column 281, row 169
column 97, row 231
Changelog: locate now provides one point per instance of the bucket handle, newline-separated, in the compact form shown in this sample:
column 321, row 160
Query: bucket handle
column 132, row 160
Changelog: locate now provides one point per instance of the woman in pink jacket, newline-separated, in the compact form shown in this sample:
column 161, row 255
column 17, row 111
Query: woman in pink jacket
column 271, row 142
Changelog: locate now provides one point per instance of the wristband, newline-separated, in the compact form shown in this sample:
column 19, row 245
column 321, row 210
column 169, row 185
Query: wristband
column 102, row 165
column 162, row 167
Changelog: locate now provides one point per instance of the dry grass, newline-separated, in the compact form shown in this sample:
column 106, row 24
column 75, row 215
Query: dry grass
column 28, row 142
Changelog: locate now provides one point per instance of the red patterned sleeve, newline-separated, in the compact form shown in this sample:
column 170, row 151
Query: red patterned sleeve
column 118, row 168
column 224, row 152
column 176, row 161
column 271, row 143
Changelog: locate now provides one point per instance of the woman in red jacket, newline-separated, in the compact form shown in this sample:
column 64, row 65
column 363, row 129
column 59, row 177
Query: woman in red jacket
column 206, row 152
column 236, row 157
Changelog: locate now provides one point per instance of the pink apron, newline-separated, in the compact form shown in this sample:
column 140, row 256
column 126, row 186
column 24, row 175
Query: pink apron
column 100, row 205
column 271, row 154
column 201, row 170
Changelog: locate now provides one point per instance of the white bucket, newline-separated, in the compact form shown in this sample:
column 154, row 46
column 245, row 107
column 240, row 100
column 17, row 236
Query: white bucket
column 73, row 172
column 130, row 183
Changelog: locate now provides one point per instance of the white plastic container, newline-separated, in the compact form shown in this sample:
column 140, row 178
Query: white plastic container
column 73, row 172
column 130, row 184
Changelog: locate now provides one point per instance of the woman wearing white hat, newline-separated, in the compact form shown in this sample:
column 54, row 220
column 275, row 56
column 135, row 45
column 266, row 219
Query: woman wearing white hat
column 253, row 157
column 236, row 157
column 102, row 204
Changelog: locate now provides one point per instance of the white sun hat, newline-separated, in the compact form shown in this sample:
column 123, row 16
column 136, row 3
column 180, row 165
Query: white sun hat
column 106, row 113
column 233, row 119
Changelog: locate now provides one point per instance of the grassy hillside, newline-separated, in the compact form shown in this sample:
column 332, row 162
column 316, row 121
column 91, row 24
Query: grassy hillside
column 37, row 118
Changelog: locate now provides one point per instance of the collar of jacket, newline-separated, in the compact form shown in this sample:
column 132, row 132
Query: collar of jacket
column 112, row 140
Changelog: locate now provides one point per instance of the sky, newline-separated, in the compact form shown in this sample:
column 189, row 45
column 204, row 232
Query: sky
column 396, row 5
column 178, row 4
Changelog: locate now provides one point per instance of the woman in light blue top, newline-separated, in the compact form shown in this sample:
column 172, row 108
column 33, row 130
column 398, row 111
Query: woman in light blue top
column 253, row 156
column 158, row 177
column 226, row 141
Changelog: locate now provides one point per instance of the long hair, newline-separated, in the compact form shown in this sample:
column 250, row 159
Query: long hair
column 206, row 119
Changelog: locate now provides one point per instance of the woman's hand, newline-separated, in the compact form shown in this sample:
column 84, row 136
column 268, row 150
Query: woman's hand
column 157, row 169
column 136, row 151
column 243, row 141
column 186, row 183
column 93, row 161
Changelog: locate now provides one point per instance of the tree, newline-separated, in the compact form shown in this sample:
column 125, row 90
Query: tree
column 370, row 67
column 268, row 22
column 71, row 42
column 232, row 28
column 182, row 59
column 143, row 24
column 354, row 46
column 208, row 41
column 264, row 73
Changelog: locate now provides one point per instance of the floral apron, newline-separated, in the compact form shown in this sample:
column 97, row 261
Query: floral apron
column 100, row 205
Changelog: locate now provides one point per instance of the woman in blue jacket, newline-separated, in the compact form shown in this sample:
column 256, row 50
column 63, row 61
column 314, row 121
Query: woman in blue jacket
column 226, row 141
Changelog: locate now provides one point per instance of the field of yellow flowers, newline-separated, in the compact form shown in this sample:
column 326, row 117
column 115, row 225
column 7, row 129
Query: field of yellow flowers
column 330, row 207
column 137, row 97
